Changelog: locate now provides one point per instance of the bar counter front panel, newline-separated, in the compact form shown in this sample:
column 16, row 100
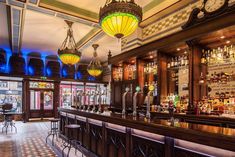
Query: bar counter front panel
column 112, row 135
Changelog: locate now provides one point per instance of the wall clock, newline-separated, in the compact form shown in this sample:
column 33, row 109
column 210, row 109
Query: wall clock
column 213, row 5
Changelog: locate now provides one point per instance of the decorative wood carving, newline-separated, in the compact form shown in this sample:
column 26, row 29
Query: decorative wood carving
column 146, row 148
column 2, row 63
column 17, row 65
column 201, row 15
column 68, row 71
column 37, row 66
column 117, row 141
column 95, row 138
column 54, row 68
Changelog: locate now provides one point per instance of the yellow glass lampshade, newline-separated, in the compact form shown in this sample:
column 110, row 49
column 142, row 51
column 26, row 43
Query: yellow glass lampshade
column 70, row 59
column 95, row 68
column 119, row 24
column 94, row 72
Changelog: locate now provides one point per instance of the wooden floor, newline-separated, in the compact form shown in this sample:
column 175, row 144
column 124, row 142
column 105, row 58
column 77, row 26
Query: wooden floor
column 29, row 141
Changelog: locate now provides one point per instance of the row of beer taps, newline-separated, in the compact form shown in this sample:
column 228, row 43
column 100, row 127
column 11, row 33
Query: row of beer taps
column 83, row 100
column 137, row 92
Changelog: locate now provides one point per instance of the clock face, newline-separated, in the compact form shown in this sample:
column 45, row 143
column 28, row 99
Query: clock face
column 213, row 5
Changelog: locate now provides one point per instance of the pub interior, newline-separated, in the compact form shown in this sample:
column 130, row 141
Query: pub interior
column 117, row 78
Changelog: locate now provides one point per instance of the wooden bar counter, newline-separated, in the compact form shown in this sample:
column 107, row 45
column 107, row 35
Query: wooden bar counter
column 112, row 135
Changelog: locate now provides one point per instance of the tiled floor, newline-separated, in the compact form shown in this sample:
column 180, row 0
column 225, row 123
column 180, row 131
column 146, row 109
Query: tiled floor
column 29, row 141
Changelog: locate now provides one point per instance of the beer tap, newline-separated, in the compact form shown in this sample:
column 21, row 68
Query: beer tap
column 94, row 101
column 83, row 101
column 99, row 101
column 124, row 101
column 80, row 99
column 135, row 100
column 88, row 101
column 151, row 89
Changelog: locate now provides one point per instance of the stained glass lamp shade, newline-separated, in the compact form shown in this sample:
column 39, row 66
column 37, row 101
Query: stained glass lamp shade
column 95, row 68
column 68, row 53
column 120, row 18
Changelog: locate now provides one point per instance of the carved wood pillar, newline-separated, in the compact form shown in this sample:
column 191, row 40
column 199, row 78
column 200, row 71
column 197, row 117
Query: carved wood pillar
column 194, row 74
column 56, row 98
column 162, row 77
column 26, row 101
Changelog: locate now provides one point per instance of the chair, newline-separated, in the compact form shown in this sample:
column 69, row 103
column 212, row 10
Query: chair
column 54, row 130
column 71, row 141
column 8, row 114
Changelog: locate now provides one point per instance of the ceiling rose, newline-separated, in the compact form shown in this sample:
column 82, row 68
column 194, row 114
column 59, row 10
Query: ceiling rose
column 120, row 18
column 68, row 52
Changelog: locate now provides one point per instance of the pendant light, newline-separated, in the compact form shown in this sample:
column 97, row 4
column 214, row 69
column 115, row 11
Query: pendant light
column 120, row 18
column 95, row 68
column 68, row 52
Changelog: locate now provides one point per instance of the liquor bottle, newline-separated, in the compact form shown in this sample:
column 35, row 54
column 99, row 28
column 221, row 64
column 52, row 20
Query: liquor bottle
column 133, row 72
column 203, row 58
column 186, row 60
column 176, row 62
column 207, row 57
column 168, row 65
column 129, row 72
column 172, row 62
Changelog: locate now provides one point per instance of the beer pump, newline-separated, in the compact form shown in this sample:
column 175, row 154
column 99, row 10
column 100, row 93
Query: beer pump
column 124, row 101
column 80, row 99
column 99, row 100
column 94, row 95
column 151, row 89
column 88, row 100
column 83, row 101
column 135, row 101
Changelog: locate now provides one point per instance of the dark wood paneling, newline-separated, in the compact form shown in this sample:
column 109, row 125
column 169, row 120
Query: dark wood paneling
column 68, row 71
column 105, row 141
column 37, row 67
column 146, row 148
column 54, row 68
column 190, row 132
column 17, row 65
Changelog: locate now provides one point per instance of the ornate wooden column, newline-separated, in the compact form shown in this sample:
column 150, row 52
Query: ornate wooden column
column 162, row 76
column 26, row 101
column 194, row 74
column 56, row 97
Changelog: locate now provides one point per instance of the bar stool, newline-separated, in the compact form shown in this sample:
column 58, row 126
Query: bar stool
column 54, row 129
column 71, row 141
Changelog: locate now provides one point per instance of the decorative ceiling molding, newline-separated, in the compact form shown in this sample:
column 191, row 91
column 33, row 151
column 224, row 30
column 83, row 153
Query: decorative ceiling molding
column 87, row 37
column 15, row 15
column 92, row 40
column 69, row 9
column 34, row 6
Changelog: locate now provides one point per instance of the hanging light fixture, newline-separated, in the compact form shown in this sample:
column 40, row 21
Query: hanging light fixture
column 120, row 18
column 68, row 53
column 95, row 67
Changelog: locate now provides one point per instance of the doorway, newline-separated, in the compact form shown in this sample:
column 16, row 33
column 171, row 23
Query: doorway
column 41, row 104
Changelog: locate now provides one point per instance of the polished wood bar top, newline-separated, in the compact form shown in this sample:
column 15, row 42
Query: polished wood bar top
column 203, row 134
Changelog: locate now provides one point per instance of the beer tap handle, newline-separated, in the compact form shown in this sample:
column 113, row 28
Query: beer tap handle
column 151, row 89
column 124, row 101
column 135, row 101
